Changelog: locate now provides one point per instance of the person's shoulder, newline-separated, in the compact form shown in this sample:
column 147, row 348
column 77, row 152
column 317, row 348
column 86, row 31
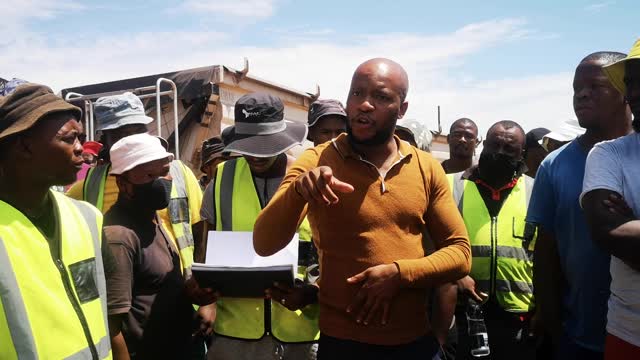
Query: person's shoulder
column 121, row 234
column 76, row 191
column 630, row 142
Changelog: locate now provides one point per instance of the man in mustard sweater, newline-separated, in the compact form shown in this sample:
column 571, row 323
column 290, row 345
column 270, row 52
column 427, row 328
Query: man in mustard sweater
column 370, row 237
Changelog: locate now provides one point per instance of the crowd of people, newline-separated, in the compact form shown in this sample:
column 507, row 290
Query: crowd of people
column 526, row 250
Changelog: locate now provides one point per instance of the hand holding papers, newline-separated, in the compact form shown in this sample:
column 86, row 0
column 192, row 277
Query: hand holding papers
column 235, row 270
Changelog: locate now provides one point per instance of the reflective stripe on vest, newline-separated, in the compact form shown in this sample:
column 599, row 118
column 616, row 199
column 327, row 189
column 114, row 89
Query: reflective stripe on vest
column 179, row 215
column 178, row 208
column 94, row 182
column 502, row 246
column 42, row 316
column 237, row 207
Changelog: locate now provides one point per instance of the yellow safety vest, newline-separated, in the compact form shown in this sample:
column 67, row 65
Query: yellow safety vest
column 237, row 207
column 178, row 209
column 53, row 309
column 501, row 246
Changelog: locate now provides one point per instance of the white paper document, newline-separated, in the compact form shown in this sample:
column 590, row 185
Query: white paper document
column 235, row 269
column 235, row 249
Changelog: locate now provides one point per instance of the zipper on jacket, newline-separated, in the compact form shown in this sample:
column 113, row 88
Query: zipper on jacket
column 267, row 316
column 76, row 307
column 494, row 257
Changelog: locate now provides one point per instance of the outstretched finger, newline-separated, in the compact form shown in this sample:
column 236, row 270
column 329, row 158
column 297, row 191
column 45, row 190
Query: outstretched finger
column 472, row 293
column 358, row 277
column 341, row 186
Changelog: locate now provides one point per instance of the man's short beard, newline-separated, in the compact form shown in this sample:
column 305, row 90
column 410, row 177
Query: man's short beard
column 379, row 138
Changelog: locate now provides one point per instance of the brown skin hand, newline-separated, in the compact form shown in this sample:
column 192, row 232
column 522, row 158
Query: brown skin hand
column 616, row 232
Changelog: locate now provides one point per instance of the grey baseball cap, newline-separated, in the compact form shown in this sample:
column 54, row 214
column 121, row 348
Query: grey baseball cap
column 325, row 107
column 112, row 112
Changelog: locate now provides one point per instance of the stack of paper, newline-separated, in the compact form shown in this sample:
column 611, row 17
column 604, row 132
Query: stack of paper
column 234, row 269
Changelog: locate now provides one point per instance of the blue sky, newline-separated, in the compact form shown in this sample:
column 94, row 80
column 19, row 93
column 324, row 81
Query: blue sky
column 486, row 60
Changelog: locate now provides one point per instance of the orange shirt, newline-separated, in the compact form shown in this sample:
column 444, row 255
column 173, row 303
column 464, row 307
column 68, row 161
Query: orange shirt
column 381, row 222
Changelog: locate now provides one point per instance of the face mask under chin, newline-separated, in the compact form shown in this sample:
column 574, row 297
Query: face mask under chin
column 154, row 195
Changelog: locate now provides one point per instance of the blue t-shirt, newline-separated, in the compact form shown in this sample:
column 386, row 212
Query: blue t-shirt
column 555, row 206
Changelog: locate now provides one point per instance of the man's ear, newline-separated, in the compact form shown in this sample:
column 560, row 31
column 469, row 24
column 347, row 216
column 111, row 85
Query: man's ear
column 24, row 147
column 403, row 109
column 123, row 185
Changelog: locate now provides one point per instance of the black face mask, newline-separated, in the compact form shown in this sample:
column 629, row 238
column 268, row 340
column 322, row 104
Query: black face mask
column 497, row 166
column 154, row 195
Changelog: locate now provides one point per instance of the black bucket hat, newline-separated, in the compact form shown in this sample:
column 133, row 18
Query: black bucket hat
column 260, row 129
column 325, row 107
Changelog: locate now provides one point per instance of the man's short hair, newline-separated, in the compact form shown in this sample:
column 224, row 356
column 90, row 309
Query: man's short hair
column 507, row 124
column 604, row 57
column 463, row 121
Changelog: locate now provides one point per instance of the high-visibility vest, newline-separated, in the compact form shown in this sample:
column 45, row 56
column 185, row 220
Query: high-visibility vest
column 501, row 246
column 237, row 207
column 178, row 209
column 53, row 309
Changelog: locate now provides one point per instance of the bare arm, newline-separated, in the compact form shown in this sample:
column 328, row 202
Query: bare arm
column 548, row 281
column 444, row 307
column 118, row 345
column 617, row 233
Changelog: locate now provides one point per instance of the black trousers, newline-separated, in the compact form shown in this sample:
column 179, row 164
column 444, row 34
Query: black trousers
column 508, row 335
column 424, row 348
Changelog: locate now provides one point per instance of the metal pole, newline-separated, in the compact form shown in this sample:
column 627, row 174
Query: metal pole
column 439, row 125
column 175, row 112
column 88, row 112
column 92, row 123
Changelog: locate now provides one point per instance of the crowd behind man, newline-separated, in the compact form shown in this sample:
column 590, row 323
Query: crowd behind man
column 532, row 243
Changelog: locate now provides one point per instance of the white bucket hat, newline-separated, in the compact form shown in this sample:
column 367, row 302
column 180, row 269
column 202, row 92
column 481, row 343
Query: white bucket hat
column 135, row 150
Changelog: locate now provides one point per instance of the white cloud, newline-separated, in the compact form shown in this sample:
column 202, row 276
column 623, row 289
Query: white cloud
column 247, row 9
column 19, row 13
column 598, row 7
column 429, row 59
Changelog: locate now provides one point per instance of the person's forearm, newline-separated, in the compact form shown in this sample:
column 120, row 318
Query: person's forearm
column 623, row 242
column 278, row 222
column 615, row 232
column 548, row 282
column 444, row 307
column 199, row 231
column 447, row 264
column 119, row 347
